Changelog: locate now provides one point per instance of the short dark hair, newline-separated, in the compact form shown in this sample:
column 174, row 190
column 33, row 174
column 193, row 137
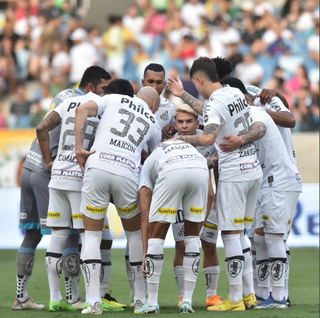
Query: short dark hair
column 120, row 86
column 234, row 82
column 93, row 74
column 223, row 66
column 207, row 66
column 154, row 67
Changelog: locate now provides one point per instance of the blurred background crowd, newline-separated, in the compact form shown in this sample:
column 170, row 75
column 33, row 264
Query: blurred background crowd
column 45, row 46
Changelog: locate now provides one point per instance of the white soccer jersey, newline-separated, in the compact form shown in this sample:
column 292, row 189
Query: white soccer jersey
column 126, row 124
column 279, row 173
column 169, row 156
column 228, row 108
column 66, row 173
column 277, row 105
column 165, row 113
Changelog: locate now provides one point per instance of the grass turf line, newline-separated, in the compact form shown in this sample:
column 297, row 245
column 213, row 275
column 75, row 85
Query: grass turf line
column 304, row 287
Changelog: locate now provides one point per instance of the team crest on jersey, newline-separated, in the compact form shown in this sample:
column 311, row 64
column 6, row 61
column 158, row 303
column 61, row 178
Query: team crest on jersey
column 234, row 267
column 165, row 116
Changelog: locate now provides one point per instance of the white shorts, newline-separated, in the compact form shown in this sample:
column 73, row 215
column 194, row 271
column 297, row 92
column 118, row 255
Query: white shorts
column 178, row 226
column 236, row 203
column 106, row 235
column 273, row 216
column 186, row 186
column 292, row 201
column 97, row 186
column 209, row 231
column 64, row 209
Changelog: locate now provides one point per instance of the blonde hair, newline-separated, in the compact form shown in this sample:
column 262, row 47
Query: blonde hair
column 185, row 108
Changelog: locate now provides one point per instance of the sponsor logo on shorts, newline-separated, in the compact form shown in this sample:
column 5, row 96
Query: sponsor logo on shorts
column 266, row 217
column 196, row 210
column 95, row 210
column 23, row 216
column 238, row 221
column 106, row 226
column 167, row 211
column 54, row 215
column 77, row 216
column 298, row 177
column 128, row 210
column 247, row 219
column 249, row 165
column 43, row 221
column 67, row 173
column 103, row 156
column 289, row 222
column 212, row 227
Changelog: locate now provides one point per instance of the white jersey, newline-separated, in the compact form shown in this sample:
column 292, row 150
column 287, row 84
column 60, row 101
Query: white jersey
column 279, row 173
column 126, row 124
column 165, row 113
column 228, row 108
column 66, row 173
column 169, row 156
column 277, row 105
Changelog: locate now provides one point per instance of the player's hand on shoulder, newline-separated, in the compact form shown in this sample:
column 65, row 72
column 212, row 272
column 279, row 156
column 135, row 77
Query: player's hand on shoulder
column 167, row 132
column 175, row 86
column 266, row 95
column 231, row 143
column 82, row 156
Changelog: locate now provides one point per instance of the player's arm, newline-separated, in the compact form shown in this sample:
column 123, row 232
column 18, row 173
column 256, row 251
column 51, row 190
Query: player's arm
column 283, row 118
column 51, row 121
column 210, row 199
column 206, row 138
column 256, row 132
column 266, row 96
column 176, row 88
column 145, row 195
column 89, row 109
column 212, row 161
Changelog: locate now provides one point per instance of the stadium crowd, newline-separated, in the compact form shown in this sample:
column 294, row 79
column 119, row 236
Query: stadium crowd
column 50, row 42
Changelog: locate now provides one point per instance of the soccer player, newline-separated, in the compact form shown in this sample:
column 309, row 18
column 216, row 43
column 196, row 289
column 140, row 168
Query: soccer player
column 154, row 76
column 174, row 173
column 278, row 199
column 187, row 123
column 225, row 111
column 35, row 196
column 113, row 167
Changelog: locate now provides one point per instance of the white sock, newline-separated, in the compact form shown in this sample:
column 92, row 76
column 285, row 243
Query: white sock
column 154, row 266
column 54, row 262
column 234, row 265
column 247, row 274
column 262, row 267
column 277, row 258
column 129, row 271
column 92, row 265
column 179, row 276
column 106, row 266
column 254, row 259
column 212, row 278
column 135, row 258
column 286, row 281
column 82, row 239
column 191, row 262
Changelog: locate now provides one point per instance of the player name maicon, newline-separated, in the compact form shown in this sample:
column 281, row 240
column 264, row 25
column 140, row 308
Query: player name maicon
column 122, row 144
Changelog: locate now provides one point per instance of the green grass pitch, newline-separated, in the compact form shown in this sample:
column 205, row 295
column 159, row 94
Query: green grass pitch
column 304, row 288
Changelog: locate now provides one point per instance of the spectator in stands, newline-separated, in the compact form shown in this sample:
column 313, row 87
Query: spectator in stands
column 298, row 81
column 249, row 71
column 191, row 12
column 3, row 121
column 313, row 43
column 114, row 40
column 20, row 109
column 22, row 55
column 133, row 21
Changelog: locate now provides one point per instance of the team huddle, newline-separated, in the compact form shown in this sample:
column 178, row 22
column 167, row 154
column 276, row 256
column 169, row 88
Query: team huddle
column 100, row 143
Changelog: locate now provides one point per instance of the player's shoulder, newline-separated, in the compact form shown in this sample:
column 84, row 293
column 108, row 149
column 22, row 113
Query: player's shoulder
column 254, row 90
column 165, row 102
